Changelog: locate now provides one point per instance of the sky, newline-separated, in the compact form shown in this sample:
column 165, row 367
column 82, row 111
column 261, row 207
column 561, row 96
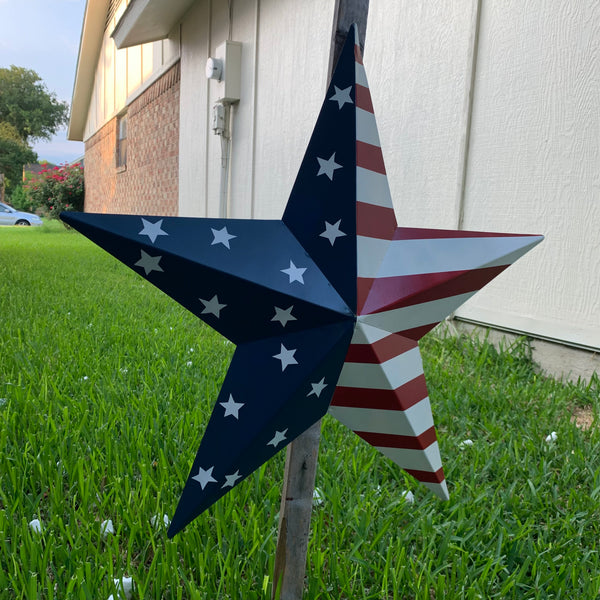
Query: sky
column 44, row 36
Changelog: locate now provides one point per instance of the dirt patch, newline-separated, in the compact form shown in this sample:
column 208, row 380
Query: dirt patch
column 583, row 417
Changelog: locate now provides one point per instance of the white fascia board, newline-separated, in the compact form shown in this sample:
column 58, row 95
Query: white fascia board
column 148, row 21
column 90, row 44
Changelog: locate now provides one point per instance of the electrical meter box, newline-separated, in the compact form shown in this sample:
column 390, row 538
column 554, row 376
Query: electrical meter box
column 230, row 55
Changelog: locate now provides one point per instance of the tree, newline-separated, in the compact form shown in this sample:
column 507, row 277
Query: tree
column 14, row 153
column 27, row 105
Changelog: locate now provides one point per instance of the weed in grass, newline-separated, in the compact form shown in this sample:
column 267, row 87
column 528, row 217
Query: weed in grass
column 101, row 417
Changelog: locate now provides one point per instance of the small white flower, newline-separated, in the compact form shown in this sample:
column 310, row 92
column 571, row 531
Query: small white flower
column 408, row 496
column 551, row 437
column 3, row 401
column 155, row 330
column 124, row 370
column 107, row 528
column 84, row 378
column 318, row 497
column 124, row 587
column 157, row 520
column 188, row 363
column 35, row 526
column 191, row 350
column 69, row 313
column 465, row 443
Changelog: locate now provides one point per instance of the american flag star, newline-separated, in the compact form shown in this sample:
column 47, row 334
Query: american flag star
column 362, row 296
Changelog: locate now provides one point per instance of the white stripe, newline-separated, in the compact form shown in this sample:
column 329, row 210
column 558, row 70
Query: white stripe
column 439, row 255
column 413, row 421
column 372, row 188
column 367, row 334
column 415, row 315
column 385, row 376
column 423, row 460
column 366, row 127
column 370, row 253
column 439, row 489
column 361, row 75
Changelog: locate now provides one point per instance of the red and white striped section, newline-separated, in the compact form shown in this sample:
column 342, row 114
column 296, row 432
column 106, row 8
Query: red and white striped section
column 427, row 274
column 382, row 396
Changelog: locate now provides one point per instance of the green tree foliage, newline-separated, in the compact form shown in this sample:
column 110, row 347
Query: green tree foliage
column 14, row 153
column 27, row 105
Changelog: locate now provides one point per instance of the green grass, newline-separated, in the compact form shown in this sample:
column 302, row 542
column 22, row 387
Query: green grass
column 102, row 416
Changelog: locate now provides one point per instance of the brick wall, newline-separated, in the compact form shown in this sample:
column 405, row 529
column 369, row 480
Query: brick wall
column 148, row 184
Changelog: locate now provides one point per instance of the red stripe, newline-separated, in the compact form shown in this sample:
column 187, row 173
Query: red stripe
column 375, row 221
column 379, row 351
column 427, row 476
column 363, row 287
column 358, row 54
column 363, row 98
column 388, row 293
column 369, row 157
column 416, row 333
column 402, row 398
column 411, row 233
column 409, row 442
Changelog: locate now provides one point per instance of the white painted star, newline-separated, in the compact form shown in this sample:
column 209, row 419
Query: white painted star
column 152, row 230
column 327, row 167
column 230, row 480
column 332, row 232
column 286, row 357
column 342, row 96
column 294, row 273
column 204, row 477
column 212, row 306
column 283, row 316
column 277, row 438
column 231, row 407
column 317, row 388
column 148, row 263
column 221, row 236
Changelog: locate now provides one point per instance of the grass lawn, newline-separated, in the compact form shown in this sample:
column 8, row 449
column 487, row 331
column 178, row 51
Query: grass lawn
column 106, row 385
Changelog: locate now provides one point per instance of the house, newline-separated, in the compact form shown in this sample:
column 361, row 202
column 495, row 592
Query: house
column 487, row 114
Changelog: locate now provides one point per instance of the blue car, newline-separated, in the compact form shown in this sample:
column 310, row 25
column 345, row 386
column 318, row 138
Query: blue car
column 12, row 216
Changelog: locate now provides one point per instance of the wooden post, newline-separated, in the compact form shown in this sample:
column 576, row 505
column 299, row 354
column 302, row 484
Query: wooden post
column 302, row 453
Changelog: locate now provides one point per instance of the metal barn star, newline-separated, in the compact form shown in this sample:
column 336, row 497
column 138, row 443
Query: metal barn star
column 326, row 306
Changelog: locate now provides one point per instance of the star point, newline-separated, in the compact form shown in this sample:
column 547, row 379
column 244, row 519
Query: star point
column 212, row 307
column 294, row 273
column 149, row 263
column 204, row 477
column 332, row 232
column 342, row 96
column 232, row 408
column 279, row 437
column 317, row 388
column 152, row 230
column 222, row 236
column 231, row 480
column 283, row 316
column 286, row 357
column 327, row 167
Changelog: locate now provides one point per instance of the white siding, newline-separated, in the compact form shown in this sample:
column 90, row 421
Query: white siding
column 534, row 146
column 122, row 74
column 283, row 80
column 534, row 164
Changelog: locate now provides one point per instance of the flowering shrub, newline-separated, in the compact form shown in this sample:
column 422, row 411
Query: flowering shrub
column 57, row 189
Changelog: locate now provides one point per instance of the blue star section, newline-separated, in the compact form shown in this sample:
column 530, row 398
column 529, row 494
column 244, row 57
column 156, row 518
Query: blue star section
column 322, row 199
column 283, row 291
column 273, row 405
column 247, row 268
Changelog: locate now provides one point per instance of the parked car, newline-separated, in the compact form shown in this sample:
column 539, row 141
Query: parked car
column 12, row 216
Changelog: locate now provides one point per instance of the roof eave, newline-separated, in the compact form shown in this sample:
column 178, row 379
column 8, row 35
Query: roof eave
column 148, row 21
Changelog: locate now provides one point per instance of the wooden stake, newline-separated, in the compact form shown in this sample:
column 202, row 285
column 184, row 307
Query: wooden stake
column 302, row 453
